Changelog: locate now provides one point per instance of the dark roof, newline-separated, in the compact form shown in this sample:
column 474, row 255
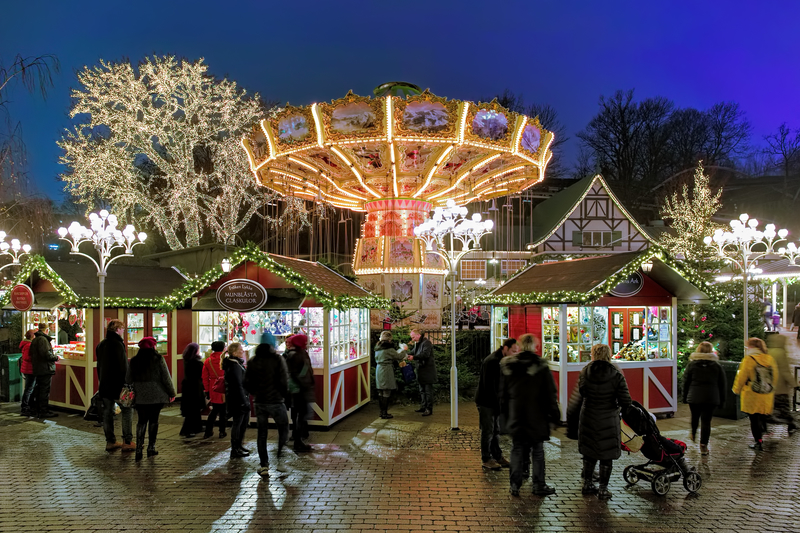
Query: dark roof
column 126, row 281
column 548, row 215
column 581, row 275
column 322, row 276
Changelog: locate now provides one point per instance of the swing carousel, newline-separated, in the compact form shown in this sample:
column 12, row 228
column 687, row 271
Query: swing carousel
column 395, row 157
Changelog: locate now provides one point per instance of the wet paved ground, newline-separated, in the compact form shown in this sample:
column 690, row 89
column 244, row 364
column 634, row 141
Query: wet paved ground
column 367, row 474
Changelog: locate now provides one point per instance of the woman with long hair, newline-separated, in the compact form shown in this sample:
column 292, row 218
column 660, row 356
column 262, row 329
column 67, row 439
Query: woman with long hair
column 237, row 400
column 385, row 356
column 192, row 399
column 212, row 371
column 152, row 386
column 755, row 381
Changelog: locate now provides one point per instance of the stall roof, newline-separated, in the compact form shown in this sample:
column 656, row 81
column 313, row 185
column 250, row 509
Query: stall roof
column 125, row 281
column 320, row 275
column 43, row 301
column 587, row 280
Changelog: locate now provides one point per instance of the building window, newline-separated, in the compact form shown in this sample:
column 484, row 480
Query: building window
column 510, row 266
column 596, row 239
column 473, row 269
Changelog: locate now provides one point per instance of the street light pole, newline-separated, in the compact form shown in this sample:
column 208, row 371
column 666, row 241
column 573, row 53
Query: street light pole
column 13, row 249
column 744, row 245
column 106, row 238
column 451, row 221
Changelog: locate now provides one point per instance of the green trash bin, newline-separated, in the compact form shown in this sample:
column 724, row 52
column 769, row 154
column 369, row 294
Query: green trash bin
column 731, row 408
column 10, row 378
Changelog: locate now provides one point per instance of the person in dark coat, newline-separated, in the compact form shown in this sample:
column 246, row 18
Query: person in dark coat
column 487, row 398
column 593, row 417
column 796, row 319
column 530, row 404
column 385, row 356
column 267, row 379
column 236, row 398
column 112, row 366
column 212, row 370
column 153, row 388
column 43, row 363
column 29, row 401
column 423, row 358
column 301, row 386
column 704, row 387
column 192, row 398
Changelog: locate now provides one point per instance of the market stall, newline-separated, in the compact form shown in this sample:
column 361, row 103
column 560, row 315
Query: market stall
column 66, row 297
column 627, row 300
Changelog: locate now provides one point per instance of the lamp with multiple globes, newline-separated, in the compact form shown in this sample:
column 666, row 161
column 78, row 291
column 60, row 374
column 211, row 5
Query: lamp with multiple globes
column 106, row 238
column 13, row 249
column 451, row 221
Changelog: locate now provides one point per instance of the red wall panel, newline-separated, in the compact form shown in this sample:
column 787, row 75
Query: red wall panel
column 635, row 379
column 350, row 387
column 664, row 377
column 58, row 385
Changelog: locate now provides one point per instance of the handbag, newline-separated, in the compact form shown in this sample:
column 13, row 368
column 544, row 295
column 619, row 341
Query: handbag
column 127, row 397
column 219, row 383
column 408, row 373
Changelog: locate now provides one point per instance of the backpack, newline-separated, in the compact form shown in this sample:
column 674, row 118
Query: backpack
column 763, row 382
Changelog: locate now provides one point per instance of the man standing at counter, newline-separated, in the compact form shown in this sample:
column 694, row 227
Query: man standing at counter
column 43, row 361
column 112, row 365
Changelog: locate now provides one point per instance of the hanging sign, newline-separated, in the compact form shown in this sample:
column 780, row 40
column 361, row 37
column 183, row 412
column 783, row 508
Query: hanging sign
column 22, row 297
column 629, row 287
column 241, row 295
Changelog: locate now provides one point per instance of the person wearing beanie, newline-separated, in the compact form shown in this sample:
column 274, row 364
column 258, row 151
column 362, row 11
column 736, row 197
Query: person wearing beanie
column 112, row 366
column 152, row 388
column 267, row 379
column 212, row 371
column 301, row 387
column 192, row 399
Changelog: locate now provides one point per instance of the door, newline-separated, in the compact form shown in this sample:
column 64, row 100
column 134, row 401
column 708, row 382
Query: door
column 626, row 329
column 146, row 323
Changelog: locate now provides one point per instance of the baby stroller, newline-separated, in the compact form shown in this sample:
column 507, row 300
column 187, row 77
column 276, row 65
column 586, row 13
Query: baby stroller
column 665, row 456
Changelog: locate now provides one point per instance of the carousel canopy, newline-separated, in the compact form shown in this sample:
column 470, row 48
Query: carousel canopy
column 400, row 144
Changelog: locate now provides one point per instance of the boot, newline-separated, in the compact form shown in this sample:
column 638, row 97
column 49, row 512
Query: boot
column 605, row 474
column 588, row 476
column 151, row 446
column 140, row 431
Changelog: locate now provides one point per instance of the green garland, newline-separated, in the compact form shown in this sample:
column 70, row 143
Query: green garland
column 598, row 292
column 192, row 286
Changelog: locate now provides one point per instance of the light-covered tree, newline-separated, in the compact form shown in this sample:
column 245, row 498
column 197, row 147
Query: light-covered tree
column 160, row 143
column 690, row 216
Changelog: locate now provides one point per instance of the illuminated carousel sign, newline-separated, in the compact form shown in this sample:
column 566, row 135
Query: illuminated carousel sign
column 241, row 295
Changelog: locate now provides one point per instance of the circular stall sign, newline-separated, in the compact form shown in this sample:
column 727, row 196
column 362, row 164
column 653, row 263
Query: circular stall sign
column 629, row 287
column 241, row 295
column 22, row 297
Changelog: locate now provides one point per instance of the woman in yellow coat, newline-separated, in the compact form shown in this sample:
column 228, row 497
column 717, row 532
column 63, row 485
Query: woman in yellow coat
column 758, row 405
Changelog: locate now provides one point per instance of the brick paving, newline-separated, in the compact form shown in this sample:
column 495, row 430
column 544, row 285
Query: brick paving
column 367, row 474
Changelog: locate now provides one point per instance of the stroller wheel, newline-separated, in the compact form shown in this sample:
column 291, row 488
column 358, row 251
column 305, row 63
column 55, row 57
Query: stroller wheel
column 692, row 481
column 630, row 475
column 661, row 483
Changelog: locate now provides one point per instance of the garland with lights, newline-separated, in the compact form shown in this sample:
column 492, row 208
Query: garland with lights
column 192, row 286
column 599, row 291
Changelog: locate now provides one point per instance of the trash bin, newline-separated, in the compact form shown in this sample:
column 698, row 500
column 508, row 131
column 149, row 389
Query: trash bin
column 10, row 378
column 731, row 408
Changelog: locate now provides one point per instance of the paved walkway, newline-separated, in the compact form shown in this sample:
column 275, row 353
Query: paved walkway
column 367, row 474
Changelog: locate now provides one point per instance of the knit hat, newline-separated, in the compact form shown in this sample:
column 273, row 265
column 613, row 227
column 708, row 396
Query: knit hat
column 299, row 340
column 147, row 342
column 268, row 338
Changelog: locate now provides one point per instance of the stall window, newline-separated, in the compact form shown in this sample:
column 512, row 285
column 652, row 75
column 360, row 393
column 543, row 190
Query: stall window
column 161, row 331
column 500, row 326
column 586, row 326
column 641, row 333
column 349, row 335
column 136, row 332
column 212, row 326
column 550, row 333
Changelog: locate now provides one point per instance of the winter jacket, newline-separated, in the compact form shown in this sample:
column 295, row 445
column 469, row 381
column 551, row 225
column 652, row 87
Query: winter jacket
column 211, row 371
column 149, row 376
column 112, row 365
column 753, row 402
column 26, row 367
column 192, row 397
column 43, row 360
column 785, row 383
column 703, row 380
column 489, row 381
column 266, row 376
column 385, row 356
column 529, row 401
column 424, row 361
column 594, row 408
column 236, row 397
column 796, row 316
column 301, row 374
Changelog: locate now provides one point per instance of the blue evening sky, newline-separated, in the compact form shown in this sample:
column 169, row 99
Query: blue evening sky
column 565, row 53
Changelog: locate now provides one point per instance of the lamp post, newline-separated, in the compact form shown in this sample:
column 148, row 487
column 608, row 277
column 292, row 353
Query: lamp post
column 452, row 222
column 13, row 249
column 744, row 245
column 105, row 237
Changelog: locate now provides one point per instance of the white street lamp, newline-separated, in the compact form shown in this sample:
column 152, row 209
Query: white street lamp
column 744, row 245
column 105, row 237
column 452, row 221
column 14, row 249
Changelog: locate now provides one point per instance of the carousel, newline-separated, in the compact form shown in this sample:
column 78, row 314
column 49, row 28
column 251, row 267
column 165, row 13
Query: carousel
column 395, row 157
